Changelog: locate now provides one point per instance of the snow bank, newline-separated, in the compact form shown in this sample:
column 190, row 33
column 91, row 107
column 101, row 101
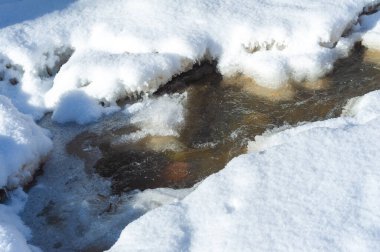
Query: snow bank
column 309, row 188
column 371, row 28
column 23, row 145
column 113, row 49
column 110, row 77
column 364, row 109
column 13, row 232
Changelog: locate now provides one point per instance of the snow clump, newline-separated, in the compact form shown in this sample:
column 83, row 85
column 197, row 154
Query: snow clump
column 23, row 146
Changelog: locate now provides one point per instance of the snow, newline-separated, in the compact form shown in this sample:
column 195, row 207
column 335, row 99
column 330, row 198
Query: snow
column 110, row 77
column 23, row 145
column 112, row 50
column 313, row 187
column 161, row 116
column 371, row 26
column 13, row 232
column 363, row 109
column 73, row 209
column 77, row 106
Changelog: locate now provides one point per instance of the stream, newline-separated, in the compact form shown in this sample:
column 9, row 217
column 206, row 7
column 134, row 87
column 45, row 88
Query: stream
column 94, row 183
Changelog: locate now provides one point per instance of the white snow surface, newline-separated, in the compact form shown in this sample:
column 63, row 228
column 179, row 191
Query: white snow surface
column 371, row 24
column 309, row 188
column 13, row 232
column 23, row 145
column 77, row 106
column 113, row 49
column 161, row 116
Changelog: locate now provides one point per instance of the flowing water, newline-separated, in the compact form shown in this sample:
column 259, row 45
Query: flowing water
column 71, row 207
column 221, row 117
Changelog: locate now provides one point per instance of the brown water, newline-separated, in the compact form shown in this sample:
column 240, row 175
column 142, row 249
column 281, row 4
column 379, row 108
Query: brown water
column 222, row 116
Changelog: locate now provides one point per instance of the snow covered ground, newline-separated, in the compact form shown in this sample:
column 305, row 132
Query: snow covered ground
column 313, row 186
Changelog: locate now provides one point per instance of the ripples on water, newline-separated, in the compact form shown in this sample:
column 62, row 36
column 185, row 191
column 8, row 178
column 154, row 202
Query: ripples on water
column 71, row 207
column 221, row 118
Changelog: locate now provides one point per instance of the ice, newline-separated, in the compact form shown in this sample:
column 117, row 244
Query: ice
column 112, row 50
column 308, row 188
column 71, row 208
column 23, row 145
column 161, row 116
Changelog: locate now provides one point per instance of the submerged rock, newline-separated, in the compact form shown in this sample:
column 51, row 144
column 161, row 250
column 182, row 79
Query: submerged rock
column 133, row 169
